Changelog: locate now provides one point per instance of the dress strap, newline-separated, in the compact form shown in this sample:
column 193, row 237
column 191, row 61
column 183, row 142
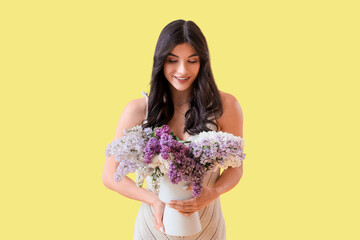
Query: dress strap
column 147, row 103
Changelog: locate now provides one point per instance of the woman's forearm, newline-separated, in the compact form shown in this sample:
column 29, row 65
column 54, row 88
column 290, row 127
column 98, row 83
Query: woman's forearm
column 228, row 179
column 127, row 187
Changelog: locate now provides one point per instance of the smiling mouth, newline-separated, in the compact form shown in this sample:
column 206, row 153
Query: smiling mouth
column 181, row 78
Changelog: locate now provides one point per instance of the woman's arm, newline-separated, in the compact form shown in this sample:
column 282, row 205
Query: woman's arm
column 231, row 122
column 126, row 187
column 133, row 115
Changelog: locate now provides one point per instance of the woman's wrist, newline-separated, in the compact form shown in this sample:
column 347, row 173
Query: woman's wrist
column 152, row 198
column 216, row 191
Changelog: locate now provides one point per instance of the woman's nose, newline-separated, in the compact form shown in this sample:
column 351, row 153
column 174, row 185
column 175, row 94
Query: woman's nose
column 181, row 67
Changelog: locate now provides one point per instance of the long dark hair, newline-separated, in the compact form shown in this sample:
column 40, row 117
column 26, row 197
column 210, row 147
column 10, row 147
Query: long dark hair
column 206, row 105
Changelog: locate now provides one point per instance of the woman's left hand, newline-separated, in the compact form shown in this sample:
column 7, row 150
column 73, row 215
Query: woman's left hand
column 188, row 207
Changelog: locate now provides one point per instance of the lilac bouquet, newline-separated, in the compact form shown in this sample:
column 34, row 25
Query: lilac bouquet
column 155, row 152
column 190, row 160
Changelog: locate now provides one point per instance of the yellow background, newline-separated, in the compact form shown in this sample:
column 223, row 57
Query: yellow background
column 68, row 68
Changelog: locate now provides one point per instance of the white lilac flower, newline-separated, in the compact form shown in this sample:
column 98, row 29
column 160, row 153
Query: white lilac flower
column 128, row 151
column 214, row 149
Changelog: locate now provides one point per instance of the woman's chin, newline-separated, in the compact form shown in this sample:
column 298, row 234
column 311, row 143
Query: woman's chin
column 181, row 86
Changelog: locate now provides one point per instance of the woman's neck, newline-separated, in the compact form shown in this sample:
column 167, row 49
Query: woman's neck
column 180, row 98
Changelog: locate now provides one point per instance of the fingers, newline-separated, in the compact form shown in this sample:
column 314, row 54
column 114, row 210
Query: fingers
column 158, row 217
column 183, row 203
column 186, row 203
column 186, row 213
column 183, row 207
column 162, row 228
column 188, row 187
column 159, row 226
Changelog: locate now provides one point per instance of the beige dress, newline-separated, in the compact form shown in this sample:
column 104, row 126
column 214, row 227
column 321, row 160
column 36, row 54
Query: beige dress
column 211, row 217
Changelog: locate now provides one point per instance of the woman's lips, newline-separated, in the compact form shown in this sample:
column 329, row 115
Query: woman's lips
column 182, row 79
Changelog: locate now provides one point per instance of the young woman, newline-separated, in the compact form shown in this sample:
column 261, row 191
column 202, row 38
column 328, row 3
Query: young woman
column 183, row 95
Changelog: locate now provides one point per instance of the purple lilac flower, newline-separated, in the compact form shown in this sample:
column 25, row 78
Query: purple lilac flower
column 185, row 168
column 152, row 148
column 198, row 179
column 165, row 129
column 166, row 143
column 160, row 143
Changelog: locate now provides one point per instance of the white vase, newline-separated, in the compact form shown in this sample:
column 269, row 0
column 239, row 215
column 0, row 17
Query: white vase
column 175, row 223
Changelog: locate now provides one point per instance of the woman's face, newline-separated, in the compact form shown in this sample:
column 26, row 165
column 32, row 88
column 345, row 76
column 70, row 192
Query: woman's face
column 181, row 66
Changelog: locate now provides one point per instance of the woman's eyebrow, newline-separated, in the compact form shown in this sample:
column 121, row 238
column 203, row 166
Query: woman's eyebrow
column 171, row 54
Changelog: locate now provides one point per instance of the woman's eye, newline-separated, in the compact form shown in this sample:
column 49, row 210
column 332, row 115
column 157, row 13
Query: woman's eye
column 173, row 61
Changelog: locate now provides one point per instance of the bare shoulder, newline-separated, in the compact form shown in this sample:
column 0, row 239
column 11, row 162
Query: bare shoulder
column 133, row 114
column 232, row 119
column 228, row 99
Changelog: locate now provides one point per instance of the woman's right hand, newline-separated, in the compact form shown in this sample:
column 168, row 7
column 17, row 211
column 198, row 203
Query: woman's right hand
column 158, row 207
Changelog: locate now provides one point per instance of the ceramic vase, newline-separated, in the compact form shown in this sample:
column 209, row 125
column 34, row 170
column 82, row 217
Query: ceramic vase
column 175, row 223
